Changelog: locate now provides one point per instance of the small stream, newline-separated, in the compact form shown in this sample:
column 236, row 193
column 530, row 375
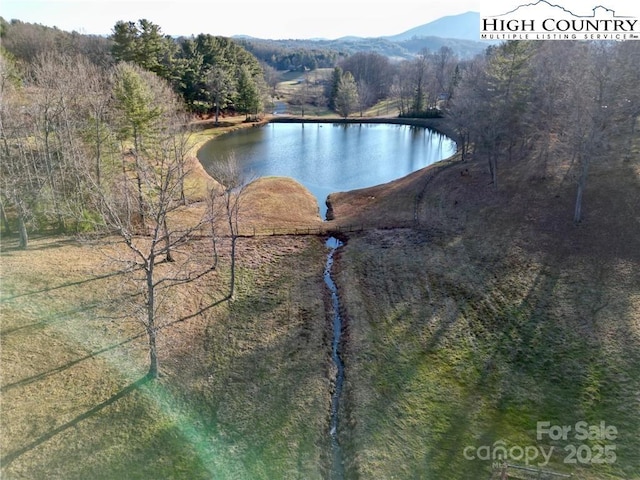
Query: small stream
column 337, row 466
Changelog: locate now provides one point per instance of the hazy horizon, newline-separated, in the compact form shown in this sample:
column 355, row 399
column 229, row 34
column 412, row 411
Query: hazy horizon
column 278, row 19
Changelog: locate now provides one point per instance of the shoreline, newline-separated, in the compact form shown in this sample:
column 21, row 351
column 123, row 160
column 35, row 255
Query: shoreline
column 439, row 125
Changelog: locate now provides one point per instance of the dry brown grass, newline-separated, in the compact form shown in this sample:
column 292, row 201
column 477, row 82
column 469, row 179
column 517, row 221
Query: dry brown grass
column 278, row 202
column 494, row 313
column 497, row 312
column 244, row 391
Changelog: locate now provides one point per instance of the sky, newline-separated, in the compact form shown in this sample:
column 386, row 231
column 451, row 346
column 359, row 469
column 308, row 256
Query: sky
column 263, row 19
column 274, row 19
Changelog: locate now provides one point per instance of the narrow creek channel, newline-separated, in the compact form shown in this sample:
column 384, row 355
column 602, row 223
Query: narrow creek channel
column 337, row 466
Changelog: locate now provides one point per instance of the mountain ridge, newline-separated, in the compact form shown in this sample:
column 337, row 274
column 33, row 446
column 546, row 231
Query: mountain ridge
column 460, row 33
column 464, row 26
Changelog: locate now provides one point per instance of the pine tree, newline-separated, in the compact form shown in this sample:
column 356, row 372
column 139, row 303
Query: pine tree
column 347, row 96
column 335, row 82
column 248, row 99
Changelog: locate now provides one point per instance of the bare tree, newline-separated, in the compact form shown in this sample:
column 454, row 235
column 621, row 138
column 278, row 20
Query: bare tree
column 20, row 183
column 154, row 243
column 96, row 83
column 594, row 102
column 142, row 204
column 626, row 59
column 271, row 78
column 373, row 69
column 445, row 63
column 226, row 204
column 21, row 174
column 303, row 95
column 491, row 100
column 550, row 96
column 366, row 96
column 62, row 84
column 43, row 152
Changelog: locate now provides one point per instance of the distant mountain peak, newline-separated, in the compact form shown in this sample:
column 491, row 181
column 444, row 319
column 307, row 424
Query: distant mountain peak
column 465, row 26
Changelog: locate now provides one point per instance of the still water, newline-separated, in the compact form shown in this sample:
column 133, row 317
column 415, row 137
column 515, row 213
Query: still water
column 327, row 157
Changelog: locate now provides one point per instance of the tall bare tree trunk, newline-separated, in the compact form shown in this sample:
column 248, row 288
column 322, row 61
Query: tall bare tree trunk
column 5, row 223
column 154, row 369
column 577, row 212
column 98, row 153
column 232, row 280
column 217, row 110
column 582, row 181
column 22, row 229
column 494, row 170
column 136, row 147
column 150, row 324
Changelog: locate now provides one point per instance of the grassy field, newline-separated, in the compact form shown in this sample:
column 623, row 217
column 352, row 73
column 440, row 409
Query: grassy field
column 493, row 313
column 244, row 391
column 289, row 91
column 498, row 313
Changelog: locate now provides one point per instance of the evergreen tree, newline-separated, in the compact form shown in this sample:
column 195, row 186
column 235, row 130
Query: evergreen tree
column 144, row 45
column 347, row 95
column 333, row 91
column 248, row 99
column 221, row 86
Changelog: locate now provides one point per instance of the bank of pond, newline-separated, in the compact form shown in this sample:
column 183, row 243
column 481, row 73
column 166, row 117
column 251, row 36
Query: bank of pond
column 330, row 157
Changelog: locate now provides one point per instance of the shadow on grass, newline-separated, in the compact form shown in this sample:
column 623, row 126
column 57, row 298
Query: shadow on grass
column 10, row 243
column 65, row 285
column 10, row 457
column 534, row 351
column 56, row 318
column 61, row 368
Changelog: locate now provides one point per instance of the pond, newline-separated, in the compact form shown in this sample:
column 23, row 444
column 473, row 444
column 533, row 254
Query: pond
column 326, row 157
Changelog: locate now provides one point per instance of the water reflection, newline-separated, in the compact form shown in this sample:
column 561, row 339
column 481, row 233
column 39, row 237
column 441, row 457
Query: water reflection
column 327, row 157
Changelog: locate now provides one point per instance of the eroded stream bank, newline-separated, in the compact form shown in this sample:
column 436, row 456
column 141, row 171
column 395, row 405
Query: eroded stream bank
column 337, row 463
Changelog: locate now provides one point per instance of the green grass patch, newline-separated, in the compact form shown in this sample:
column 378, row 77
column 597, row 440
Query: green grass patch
column 446, row 355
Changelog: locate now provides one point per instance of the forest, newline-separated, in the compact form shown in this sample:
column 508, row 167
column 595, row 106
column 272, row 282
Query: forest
column 64, row 109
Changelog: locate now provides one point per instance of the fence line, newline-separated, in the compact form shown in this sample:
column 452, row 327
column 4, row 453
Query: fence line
column 316, row 230
column 530, row 473
column 319, row 229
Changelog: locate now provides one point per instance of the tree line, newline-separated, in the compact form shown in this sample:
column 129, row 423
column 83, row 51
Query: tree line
column 210, row 73
column 283, row 58
column 105, row 150
column 419, row 87
column 538, row 101
column 520, row 101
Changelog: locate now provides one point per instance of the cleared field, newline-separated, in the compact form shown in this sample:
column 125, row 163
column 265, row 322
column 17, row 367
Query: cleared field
column 495, row 314
column 244, row 391
column 491, row 314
